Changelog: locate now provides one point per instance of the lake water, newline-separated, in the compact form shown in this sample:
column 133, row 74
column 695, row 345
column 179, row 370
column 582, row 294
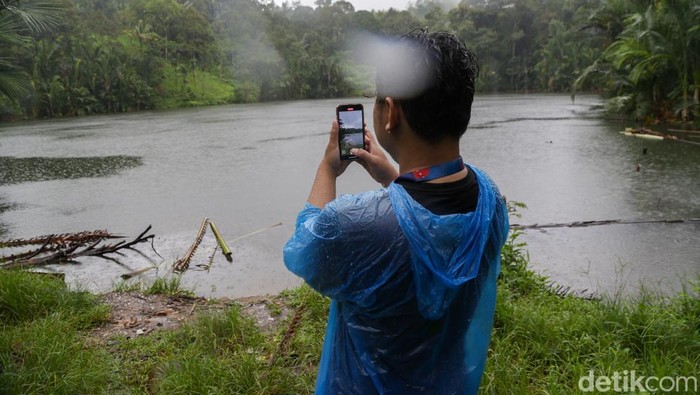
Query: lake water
column 247, row 167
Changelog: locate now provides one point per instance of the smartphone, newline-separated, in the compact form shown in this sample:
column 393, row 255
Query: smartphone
column 351, row 121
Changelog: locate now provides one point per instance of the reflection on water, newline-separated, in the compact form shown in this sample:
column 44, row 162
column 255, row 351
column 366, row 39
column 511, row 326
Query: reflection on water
column 18, row 170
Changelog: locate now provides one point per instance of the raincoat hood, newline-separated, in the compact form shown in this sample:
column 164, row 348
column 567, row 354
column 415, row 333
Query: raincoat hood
column 446, row 250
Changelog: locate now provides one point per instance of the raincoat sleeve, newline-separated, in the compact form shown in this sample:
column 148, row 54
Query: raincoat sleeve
column 342, row 249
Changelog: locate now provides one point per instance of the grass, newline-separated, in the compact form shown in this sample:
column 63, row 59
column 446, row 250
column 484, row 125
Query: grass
column 25, row 297
column 542, row 342
column 168, row 285
column 42, row 347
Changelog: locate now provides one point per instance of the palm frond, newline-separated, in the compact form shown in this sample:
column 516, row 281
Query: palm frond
column 39, row 16
column 10, row 28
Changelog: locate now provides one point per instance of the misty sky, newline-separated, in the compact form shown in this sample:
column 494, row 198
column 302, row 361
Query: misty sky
column 369, row 4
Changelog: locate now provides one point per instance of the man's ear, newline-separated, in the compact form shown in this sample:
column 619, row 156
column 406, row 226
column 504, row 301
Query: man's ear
column 395, row 114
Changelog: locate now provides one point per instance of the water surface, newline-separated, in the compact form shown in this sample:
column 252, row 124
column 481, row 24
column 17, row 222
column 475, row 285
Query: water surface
column 251, row 166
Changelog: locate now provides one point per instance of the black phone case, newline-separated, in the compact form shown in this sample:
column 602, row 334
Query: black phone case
column 341, row 134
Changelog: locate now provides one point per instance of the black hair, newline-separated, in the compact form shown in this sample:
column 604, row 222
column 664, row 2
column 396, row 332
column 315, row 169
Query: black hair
column 432, row 77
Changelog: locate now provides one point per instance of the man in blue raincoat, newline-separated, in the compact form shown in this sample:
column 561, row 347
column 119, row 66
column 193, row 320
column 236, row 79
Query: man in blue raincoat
column 410, row 268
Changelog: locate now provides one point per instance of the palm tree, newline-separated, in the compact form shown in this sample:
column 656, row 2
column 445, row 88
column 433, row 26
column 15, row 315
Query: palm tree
column 680, row 32
column 663, row 41
column 654, row 62
column 15, row 22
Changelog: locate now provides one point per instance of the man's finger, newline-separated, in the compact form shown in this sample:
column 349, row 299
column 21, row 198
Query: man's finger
column 357, row 152
column 369, row 140
column 334, row 129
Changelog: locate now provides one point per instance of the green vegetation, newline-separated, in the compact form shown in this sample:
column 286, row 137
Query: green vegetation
column 542, row 342
column 64, row 58
column 42, row 343
column 651, row 69
column 197, row 88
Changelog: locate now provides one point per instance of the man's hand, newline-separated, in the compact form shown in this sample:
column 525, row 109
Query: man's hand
column 375, row 161
column 331, row 167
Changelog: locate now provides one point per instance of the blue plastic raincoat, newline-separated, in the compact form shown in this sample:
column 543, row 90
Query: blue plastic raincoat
column 413, row 293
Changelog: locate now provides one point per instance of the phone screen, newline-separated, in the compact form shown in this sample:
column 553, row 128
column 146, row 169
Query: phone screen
column 351, row 121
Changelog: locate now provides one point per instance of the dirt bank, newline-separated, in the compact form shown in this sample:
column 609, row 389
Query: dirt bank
column 136, row 314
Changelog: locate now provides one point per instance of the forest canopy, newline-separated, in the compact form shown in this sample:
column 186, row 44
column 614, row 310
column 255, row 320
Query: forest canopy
column 66, row 58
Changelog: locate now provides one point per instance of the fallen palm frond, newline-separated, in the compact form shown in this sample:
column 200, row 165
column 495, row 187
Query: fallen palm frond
column 67, row 248
column 61, row 239
column 45, row 248
column 183, row 263
column 222, row 243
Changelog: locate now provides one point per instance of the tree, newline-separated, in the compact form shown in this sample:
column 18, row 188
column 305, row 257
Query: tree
column 16, row 21
column 395, row 22
column 563, row 57
column 657, row 55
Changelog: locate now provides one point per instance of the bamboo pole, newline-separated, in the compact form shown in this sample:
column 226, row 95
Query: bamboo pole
column 222, row 243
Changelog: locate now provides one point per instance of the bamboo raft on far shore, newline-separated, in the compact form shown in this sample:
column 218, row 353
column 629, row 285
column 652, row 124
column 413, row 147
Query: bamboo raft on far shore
column 648, row 134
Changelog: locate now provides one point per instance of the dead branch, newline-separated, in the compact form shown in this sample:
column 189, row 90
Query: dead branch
column 60, row 256
column 68, row 247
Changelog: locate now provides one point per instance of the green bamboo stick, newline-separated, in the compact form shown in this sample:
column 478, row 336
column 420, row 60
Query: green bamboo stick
column 222, row 243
